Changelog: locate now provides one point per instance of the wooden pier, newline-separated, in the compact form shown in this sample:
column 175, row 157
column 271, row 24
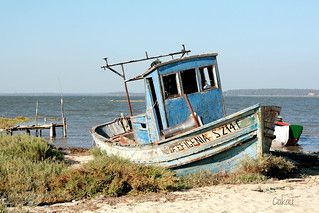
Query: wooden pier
column 38, row 129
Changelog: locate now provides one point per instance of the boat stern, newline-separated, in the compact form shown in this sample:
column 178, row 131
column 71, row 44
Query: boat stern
column 266, row 121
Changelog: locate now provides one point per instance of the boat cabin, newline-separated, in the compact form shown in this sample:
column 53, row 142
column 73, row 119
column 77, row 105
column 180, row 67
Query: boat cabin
column 174, row 91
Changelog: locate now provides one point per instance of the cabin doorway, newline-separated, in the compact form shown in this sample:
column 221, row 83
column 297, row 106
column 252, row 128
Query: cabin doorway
column 154, row 102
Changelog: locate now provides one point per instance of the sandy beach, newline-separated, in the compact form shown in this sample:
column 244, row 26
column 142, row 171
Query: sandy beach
column 291, row 195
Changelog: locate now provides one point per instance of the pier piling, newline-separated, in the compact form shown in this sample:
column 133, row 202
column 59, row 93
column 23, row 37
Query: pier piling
column 52, row 131
column 39, row 127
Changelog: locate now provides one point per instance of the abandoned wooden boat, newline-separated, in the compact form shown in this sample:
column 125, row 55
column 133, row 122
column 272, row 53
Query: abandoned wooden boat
column 185, row 127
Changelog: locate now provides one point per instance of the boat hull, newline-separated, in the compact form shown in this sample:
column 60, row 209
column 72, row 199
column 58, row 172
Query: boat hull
column 224, row 161
column 295, row 132
column 216, row 146
column 287, row 135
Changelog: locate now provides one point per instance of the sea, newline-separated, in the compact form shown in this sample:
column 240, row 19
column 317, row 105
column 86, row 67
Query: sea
column 86, row 111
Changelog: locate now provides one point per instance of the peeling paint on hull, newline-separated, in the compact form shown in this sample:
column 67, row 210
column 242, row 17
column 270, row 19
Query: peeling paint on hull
column 250, row 138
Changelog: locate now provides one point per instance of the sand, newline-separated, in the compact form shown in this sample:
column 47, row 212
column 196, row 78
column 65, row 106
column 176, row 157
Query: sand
column 291, row 195
column 76, row 157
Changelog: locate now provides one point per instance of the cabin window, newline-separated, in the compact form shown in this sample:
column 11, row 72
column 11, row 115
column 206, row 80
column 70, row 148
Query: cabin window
column 208, row 77
column 143, row 125
column 189, row 81
column 170, row 86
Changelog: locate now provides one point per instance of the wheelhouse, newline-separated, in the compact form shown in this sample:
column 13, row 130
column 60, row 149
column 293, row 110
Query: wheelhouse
column 175, row 89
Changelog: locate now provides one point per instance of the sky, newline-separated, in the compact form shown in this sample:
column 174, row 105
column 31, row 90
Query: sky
column 59, row 46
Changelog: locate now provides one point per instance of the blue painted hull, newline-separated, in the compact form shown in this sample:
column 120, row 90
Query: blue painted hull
column 219, row 145
column 224, row 161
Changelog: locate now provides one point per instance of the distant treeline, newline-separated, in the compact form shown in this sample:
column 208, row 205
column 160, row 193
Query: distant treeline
column 123, row 94
column 271, row 92
column 133, row 94
column 235, row 92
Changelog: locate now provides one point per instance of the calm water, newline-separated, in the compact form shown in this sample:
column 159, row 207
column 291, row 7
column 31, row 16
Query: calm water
column 83, row 112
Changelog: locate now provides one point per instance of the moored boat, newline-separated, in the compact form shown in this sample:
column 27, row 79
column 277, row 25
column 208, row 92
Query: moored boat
column 286, row 134
column 185, row 127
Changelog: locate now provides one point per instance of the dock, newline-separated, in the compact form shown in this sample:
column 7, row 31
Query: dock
column 38, row 129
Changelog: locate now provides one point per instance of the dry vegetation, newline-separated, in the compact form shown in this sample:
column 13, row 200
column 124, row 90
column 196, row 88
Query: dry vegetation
column 35, row 173
column 10, row 122
column 250, row 171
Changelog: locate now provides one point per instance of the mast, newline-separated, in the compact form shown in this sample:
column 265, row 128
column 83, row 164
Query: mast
column 108, row 66
column 126, row 91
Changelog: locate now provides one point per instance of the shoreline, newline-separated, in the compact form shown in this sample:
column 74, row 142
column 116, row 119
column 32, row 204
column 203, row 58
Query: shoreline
column 296, row 195
column 292, row 194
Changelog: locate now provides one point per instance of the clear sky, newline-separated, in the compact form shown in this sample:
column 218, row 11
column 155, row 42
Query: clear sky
column 49, row 45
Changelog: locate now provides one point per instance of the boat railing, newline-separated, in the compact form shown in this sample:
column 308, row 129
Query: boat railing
column 116, row 127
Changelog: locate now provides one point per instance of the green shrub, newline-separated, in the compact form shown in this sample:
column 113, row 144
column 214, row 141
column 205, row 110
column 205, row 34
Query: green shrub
column 245, row 178
column 114, row 176
column 202, row 178
column 271, row 166
column 33, row 173
column 24, row 146
column 3, row 208
column 26, row 166
column 96, row 152
column 250, row 171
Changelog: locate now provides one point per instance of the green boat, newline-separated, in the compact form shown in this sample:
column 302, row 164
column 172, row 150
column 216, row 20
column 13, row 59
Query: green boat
column 286, row 134
column 295, row 132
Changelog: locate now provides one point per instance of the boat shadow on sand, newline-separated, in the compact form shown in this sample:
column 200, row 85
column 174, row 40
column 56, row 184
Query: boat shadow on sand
column 307, row 163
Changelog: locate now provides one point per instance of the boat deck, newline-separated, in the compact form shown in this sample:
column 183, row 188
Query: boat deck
column 125, row 139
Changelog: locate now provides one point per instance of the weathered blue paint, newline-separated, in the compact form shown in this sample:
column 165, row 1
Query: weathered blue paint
column 153, row 120
column 219, row 144
column 139, row 128
column 178, row 158
column 207, row 104
column 215, row 153
column 224, row 161
column 150, row 119
column 160, row 100
column 185, row 65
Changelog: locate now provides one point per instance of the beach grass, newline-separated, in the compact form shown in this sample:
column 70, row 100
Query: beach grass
column 250, row 171
column 113, row 176
column 3, row 208
column 35, row 173
column 26, row 166
column 270, row 167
